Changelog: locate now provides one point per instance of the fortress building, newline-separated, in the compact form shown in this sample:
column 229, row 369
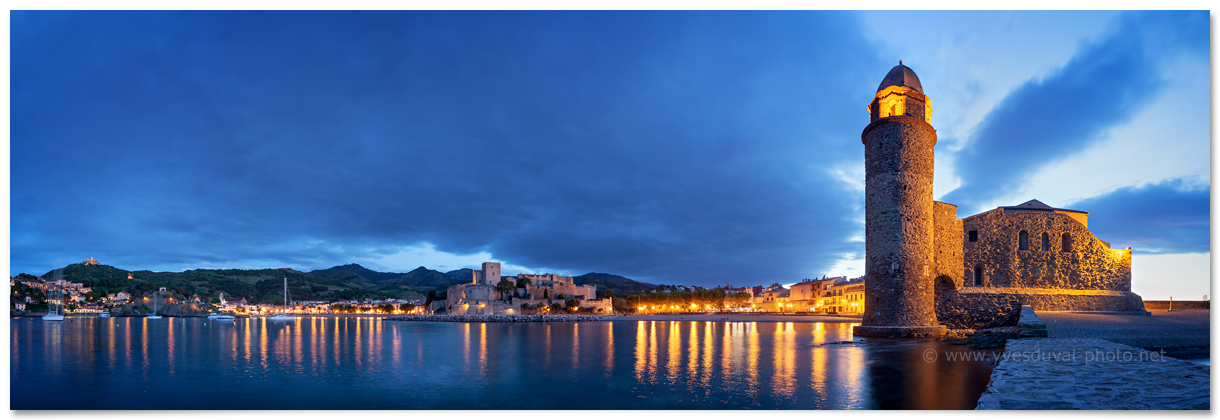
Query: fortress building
column 926, row 269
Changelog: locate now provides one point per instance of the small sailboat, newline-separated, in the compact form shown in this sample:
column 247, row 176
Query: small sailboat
column 154, row 314
column 55, row 311
column 284, row 317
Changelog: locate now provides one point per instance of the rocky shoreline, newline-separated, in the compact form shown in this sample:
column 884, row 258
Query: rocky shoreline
column 499, row 318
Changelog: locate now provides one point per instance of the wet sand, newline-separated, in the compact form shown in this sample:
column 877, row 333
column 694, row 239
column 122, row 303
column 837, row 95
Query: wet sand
column 739, row 318
column 1184, row 334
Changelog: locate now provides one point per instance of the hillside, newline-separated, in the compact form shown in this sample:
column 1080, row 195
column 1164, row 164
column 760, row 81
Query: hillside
column 618, row 284
column 264, row 285
column 343, row 282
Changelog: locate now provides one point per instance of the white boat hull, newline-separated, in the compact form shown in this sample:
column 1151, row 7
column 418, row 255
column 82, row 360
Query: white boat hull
column 153, row 317
column 282, row 318
column 52, row 317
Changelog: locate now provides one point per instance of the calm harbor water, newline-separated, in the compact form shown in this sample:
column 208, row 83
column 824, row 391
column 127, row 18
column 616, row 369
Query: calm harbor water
column 369, row 363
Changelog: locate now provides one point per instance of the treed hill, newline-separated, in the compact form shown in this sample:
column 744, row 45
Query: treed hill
column 343, row 282
column 618, row 284
column 420, row 277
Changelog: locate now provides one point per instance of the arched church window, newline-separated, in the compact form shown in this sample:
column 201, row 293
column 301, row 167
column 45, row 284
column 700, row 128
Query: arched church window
column 1046, row 241
column 1067, row 243
column 1023, row 240
column 978, row 275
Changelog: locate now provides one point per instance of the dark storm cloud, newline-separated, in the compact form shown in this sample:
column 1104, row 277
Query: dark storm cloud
column 1106, row 84
column 1164, row 218
column 666, row 146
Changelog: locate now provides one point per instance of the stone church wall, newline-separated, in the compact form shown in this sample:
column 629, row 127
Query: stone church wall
column 1086, row 264
column 948, row 237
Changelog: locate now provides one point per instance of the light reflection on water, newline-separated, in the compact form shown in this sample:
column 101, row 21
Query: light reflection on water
column 345, row 363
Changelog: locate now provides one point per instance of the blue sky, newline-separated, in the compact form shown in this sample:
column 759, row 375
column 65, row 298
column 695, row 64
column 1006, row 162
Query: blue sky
column 673, row 147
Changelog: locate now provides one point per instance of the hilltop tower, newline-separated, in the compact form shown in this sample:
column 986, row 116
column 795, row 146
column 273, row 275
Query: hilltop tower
column 899, row 239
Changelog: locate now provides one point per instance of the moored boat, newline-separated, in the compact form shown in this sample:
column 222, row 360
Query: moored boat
column 288, row 304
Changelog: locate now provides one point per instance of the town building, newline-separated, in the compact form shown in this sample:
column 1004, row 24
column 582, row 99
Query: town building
column 774, row 298
column 813, row 295
column 847, row 297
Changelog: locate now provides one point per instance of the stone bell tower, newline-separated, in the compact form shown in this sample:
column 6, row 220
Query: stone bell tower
column 899, row 251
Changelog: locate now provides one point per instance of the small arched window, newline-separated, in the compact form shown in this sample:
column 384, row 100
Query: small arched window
column 1046, row 241
column 1067, row 243
column 1023, row 240
column 978, row 276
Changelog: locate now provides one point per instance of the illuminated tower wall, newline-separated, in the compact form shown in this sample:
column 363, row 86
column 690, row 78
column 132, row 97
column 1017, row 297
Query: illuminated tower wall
column 899, row 238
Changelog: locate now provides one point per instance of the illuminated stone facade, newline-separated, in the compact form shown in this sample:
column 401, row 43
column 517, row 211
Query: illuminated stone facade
column 926, row 269
column 899, row 235
column 480, row 295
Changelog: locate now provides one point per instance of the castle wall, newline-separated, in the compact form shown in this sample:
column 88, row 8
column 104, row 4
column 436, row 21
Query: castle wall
column 1088, row 263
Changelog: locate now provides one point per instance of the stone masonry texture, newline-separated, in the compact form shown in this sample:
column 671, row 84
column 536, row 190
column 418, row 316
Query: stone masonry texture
column 899, row 237
column 1087, row 264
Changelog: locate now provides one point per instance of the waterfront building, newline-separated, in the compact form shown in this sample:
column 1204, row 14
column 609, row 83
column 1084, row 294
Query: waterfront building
column 773, row 299
column 811, row 295
column 848, row 296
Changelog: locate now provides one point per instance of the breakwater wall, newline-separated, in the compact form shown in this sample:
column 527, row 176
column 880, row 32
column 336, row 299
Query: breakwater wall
column 499, row 318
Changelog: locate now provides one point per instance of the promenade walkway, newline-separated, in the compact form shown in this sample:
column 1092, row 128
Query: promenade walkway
column 1183, row 334
column 1093, row 374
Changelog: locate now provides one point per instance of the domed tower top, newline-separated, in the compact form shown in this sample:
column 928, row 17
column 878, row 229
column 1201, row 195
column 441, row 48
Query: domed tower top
column 901, row 75
column 900, row 95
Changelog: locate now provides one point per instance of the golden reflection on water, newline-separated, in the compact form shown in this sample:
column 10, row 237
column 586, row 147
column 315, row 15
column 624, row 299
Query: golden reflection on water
column 609, row 349
column 169, row 345
column 549, row 343
column 466, row 347
column 575, row 345
column 783, row 359
column 752, row 353
column 144, row 348
column 640, row 351
column 692, row 350
column 706, row 377
column 483, row 347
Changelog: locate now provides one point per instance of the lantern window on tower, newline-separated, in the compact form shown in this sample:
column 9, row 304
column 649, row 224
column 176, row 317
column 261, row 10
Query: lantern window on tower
column 892, row 106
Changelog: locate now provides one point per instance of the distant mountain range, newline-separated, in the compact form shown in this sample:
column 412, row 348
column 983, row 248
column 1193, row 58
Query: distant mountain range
column 350, row 281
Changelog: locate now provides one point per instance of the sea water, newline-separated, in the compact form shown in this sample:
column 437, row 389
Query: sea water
column 371, row 363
